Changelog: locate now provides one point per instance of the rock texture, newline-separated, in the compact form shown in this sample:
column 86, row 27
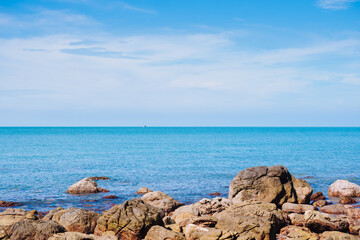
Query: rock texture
column 143, row 191
column 85, row 186
column 161, row 200
column 332, row 235
column 74, row 219
column 34, row 230
column 80, row 236
column 347, row 200
column 354, row 220
column 317, row 196
column 344, row 188
column 129, row 221
column 269, row 184
column 210, row 206
column 298, row 233
column 11, row 216
column 161, row 233
column 320, row 222
column 334, row 209
column 297, row 208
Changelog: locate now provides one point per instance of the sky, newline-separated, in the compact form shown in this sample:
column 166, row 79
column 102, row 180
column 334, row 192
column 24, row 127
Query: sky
column 179, row 63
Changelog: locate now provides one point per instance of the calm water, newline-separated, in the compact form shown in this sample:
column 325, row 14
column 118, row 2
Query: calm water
column 37, row 165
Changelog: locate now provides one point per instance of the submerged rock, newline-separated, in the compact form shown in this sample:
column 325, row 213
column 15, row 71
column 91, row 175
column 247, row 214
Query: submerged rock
column 74, row 219
column 269, row 184
column 85, row 186
column 161, row 200
column 130, row 220
column 344, row 188
column 143, row 191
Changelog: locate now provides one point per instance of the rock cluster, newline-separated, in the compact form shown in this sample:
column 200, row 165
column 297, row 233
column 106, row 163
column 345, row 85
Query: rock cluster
column 265, row 203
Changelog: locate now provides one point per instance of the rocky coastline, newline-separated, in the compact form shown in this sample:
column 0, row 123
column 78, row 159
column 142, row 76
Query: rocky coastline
column 263, row 203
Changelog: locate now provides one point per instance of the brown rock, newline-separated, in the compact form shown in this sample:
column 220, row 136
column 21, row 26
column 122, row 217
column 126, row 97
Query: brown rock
column 202, row 221
column 98, row 178
column 110, row 197
column 333, row 235
column 354, row 220
column 344, row 188
column 85, row 186
column 215, row 194
column 297, row 208
column 320, row 222
column 8, row 204
column 210, row 206
column 334, row 209
column 194, row 232
column 161, row 233
column 161, row 200
column 317, row 196
column 34, row 230
column 11, row 216
column 74, row 219
column 80, row 236
column 130, row 220
column 143, row 191
column 347, row 200
column 269, row 184
column 185, row 212
column 321, row 203
column 299, row 233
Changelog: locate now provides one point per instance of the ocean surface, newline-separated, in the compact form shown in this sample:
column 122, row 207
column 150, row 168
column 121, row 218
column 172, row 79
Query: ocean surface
column 37, row 165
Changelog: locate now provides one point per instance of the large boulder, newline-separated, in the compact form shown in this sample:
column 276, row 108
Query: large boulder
column 161, row 233
column 130, row 220
column 210, row 206
column 333, row 235
column 74, row 219
column 14, row 215
column 162, row 201
column 80, row 236
column 85, row 186
column 344, row 188
column 320, row 222
column 34, row 230
column 252, row 219
column 269, row 184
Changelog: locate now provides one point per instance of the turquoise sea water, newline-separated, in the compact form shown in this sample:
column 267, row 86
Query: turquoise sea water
column 37, row 165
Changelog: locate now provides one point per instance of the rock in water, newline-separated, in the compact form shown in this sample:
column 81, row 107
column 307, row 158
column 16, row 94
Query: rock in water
column 143, row 191
column 269, row 184
column 130, row 220
column 161, row 200
column 347, row 200
column 85, row 186
column 74, row 219
column 344, row 188
column 34, row 230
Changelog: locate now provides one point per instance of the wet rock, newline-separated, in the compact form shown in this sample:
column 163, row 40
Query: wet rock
column 297, row 208
column 269, row 184
column 98, row 178
column 161, row 233
column 298, row 233
column 34, row 230
column 317, row 196
column 85, row 186
column 333, row 235
column 80, row 236
column 110, row 197
column 8, row 204
column 320, row 222
column 130, row 220
column 74, row 219
column 215, row 194
column 321, row 203
column 344, row 188
column 347, row 200
column 334, row 209
column 210, row 206
column 161, row 200
column 143, row 191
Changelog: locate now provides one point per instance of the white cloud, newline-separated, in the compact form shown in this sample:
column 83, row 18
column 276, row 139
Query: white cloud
column 335, row 4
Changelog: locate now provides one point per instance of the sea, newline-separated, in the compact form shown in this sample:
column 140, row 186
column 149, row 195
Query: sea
column 38, row 164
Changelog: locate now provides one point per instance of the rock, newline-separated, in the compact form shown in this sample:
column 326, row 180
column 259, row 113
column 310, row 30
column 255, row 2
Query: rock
column 344, row 188
column 74, row 219
column 202, row 221
column 354, row 220
column 143, row 191
column 317, row 196
column 297, row 208
column 193, row 232
column 321, row 203
column 210, row 206
column 215, row 194
column 334, row 209
column 80, row 236
column 252, row 219
column 8, row 204
column 269, row 184
column 333, row 235
column 320, row 222
column 185, row 212
column 161, row 200
column 161, row 233
column 110, row 197
column 11, row 216
column 34, row 230
column 85, row 186
column 347, row 200
column 3, row 234
column 299, row 233
column 51, row 213
column 130, row 220
column 297, row 219
column 98, row 178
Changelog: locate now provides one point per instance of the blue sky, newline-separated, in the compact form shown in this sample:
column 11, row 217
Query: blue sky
column 180, row 63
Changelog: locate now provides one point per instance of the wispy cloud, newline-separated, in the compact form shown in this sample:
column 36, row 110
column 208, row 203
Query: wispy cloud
column 335, row 4
column 136, row 9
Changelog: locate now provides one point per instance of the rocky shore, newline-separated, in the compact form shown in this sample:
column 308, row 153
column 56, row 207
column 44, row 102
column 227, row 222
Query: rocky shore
column 263, row 203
